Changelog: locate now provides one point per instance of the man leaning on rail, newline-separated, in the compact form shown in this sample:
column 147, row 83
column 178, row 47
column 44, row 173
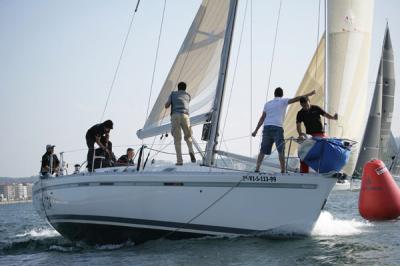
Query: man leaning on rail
column 50, row 163
column 310, row 115
column 272, row 117
column 93, row 136
column 179, row 102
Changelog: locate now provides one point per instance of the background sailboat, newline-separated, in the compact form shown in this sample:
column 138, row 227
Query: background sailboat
column 378, row 142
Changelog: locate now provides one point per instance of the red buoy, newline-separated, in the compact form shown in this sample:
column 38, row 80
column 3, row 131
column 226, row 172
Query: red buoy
column 379, row 196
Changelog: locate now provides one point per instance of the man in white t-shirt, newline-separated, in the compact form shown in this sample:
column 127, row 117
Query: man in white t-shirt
column 272, row 118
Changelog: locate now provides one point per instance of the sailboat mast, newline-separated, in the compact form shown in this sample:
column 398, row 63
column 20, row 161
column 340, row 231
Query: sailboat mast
column 326, row 65
column 216, row 114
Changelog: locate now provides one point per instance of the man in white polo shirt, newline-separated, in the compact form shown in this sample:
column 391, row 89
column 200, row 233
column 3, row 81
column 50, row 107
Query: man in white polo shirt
column 272, row 118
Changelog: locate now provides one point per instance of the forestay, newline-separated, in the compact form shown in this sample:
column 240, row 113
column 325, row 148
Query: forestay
column 197, row 64
column 313, row 80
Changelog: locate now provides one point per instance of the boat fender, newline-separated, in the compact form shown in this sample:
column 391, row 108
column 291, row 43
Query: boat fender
column 379, row 197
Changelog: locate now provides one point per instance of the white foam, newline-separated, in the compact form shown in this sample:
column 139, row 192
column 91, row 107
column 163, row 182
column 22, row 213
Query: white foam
column 114, row 246
column 39, row 233
column 110, row 247
column 60, row 248
column 327, row 225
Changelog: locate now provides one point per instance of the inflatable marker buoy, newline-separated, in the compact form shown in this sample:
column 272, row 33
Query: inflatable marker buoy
column 379, row 196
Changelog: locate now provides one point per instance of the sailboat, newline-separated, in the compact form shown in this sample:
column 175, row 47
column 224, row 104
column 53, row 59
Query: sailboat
column 117, row 204
column 378, row 141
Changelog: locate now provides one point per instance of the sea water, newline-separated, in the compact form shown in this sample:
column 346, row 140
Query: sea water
column 340, row 237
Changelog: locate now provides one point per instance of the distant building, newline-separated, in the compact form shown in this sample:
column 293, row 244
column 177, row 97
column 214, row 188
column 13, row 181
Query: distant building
column 7, row 191
column 29, row 190
column 21, row 192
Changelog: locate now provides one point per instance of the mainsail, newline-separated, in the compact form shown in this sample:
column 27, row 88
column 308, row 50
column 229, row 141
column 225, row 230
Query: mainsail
column 387, row 63
column 349, row 26
column 370, row 144
column 198, row 64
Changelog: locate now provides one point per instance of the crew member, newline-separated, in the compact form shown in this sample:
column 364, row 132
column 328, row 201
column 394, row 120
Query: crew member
column 272, row 117
column 93, row 136
column 179, row 102
column 310, row 116
column 105, row 159
column 127, row 159
column 50, row 162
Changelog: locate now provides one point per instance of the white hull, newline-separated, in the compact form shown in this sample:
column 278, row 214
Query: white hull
column 174, row 203
column 344, row 185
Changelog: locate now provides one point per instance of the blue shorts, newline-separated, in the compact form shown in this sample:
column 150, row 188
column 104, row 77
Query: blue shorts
column 271, row 135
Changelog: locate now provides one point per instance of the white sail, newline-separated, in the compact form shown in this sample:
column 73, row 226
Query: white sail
column 313, row 80
column 197, row 64
column 349, row 26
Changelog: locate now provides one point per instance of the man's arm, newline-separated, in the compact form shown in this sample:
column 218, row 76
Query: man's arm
column 300, row 131
column 168, row 104
column 334, row 117
column 260, row 122
column 296, row 99
column 100, row 144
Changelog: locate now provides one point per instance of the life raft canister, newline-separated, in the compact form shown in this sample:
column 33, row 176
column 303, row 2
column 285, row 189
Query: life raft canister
column 379, row 196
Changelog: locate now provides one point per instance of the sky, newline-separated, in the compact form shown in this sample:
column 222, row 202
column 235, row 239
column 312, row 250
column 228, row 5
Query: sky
column 58, row 60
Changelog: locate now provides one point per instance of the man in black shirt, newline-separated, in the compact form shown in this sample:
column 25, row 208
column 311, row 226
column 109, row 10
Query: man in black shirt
column 93, row 136
column 108, row 159
column 50, row 162
column 310, row 115
column 127, row 159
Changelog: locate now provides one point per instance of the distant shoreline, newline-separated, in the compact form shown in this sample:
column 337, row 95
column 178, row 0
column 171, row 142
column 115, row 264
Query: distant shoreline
column 14, row 202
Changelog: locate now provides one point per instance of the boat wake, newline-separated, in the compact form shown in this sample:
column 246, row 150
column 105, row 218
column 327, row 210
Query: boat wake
column 39, row 233
column 327, row 225
column 48, row 239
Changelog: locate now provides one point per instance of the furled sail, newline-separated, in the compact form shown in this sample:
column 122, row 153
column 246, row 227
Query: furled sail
column 388, row 97
column 313, row 80
column 349, row 26
column 197, row 64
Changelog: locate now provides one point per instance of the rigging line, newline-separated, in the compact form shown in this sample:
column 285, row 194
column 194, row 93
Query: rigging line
column 162, row 149
column 251, row 79
column 316, row 58
column 207, row 208
column 155, row 65
column 169, row 153
column 156, row 58
column 234, row 73
column 273, row 49
column 119, row 60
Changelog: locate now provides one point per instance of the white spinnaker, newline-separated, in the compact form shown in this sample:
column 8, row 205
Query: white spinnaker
column 197, row 63
column 313, row 80
column 349, row 26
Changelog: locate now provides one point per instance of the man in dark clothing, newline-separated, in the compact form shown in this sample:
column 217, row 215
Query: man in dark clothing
column 127, row 159
column 50, row 162
column 108, row 159
column 93, row 136
column 310, row 115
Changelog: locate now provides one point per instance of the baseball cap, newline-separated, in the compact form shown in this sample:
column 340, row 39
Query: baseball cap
column 49, row 146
